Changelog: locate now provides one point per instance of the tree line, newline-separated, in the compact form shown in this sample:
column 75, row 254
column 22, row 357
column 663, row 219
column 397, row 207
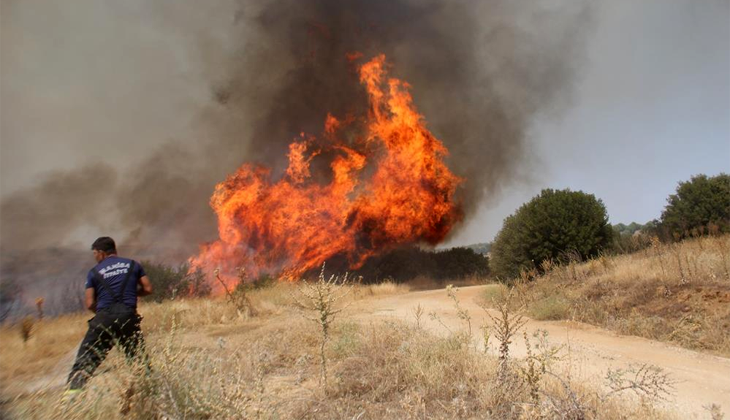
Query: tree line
column 561, row 225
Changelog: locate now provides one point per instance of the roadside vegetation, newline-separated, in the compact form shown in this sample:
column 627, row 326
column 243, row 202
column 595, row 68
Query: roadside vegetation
column 212, row 361
column 668, row 279
column 411, row 263
column 556, row 225
column 676, row 292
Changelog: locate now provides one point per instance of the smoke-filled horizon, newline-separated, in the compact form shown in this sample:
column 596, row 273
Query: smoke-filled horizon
column 479, row 74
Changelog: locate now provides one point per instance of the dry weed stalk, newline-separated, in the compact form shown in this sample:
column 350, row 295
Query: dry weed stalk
column 715, row 411
column 724, row 252
column 521, row 288
column 605, row 262
column 26, row 328
column 486, row 335
column 677, row 251
column 258, row 367
column 321, row 297
column 547, row 266
column 462, row 313
column 357, row 288
column 39, row 307
column 570, row 405
column 531, row 372
column 506, row 325
column 239, row 296
column 418, row 314
column 435, row 317
column 538, row 360
column 647, row 380
column 573, row 258
column 655, row 245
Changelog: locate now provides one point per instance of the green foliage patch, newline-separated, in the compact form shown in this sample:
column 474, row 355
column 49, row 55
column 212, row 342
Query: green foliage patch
column 555, row 225
column 700, row 205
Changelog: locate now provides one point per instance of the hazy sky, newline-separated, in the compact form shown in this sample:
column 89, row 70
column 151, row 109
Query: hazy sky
column 651, row 103
column 651, row 108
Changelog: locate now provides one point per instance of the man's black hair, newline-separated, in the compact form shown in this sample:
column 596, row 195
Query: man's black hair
column 105, row 244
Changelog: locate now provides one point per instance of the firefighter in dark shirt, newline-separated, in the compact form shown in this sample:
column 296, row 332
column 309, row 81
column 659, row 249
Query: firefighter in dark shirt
column 112, row 287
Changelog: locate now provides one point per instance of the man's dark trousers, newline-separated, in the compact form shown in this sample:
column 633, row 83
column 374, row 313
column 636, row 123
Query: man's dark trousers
column 106, row 329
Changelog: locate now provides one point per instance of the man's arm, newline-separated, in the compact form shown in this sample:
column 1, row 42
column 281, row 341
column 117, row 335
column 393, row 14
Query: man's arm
column 90, row 299
column 146, row 288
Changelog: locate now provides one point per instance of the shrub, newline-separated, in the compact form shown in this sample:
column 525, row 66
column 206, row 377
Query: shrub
column 633, row 237
column 700, row 205
column 551, row 308
column 554, row 224
column 406, row 264
column 169, row 282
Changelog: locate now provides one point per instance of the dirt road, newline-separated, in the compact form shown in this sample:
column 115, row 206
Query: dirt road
column 702, row 379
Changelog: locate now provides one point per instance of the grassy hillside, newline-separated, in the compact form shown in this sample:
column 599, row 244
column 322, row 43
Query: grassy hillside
column 212, row 360
column 678, row 293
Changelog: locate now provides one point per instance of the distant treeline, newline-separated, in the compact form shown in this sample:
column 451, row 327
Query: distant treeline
column 560, row 226
column 481, row 248
column 633, row 227
column 406, row 264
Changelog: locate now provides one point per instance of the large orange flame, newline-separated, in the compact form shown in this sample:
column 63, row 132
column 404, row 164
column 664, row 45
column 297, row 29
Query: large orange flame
column 388, row 187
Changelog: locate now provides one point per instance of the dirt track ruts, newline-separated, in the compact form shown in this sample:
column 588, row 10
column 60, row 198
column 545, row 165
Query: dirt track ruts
column 702, row 379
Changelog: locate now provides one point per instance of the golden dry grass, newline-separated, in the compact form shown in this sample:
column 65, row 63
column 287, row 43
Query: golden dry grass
column 678, row 293
column 211, row 363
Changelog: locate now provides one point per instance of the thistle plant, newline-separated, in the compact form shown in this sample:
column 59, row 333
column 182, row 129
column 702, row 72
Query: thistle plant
column 462, row 313
column 506, row 324
column 321, row 297
column 645, row 380
column 486, row 335
column 539, row 356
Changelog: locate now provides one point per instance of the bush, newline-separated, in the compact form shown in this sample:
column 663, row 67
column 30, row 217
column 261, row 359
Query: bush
column 169, row 282
column 550, row 226
column 700, row 205
column 551, row 308
column 633, row 237
column 408, row 263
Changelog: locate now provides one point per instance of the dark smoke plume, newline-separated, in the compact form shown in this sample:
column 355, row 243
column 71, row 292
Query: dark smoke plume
column 480, row 72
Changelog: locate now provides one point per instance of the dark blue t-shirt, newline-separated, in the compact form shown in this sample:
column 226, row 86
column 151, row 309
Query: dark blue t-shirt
column 114, row 269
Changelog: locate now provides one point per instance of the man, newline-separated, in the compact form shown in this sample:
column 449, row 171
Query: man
column 112, row 287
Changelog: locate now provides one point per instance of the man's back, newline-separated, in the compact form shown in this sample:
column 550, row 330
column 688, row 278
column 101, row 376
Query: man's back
column 116, row 319
column 114, row 269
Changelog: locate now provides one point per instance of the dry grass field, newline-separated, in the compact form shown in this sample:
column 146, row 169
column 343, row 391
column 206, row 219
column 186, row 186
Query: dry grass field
column 678, row 293
column 212, row 360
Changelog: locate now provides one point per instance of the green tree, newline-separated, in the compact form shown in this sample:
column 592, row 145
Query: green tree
column 699, row 205
column 459, row 262
column 549, row 226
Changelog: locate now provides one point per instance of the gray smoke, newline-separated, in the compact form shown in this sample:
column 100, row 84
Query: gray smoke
column 480, row 72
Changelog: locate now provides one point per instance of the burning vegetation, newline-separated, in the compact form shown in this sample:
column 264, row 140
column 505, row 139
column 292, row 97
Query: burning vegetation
column 368, row 184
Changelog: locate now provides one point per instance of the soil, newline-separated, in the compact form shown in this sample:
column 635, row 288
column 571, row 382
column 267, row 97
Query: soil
column 701, row 379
